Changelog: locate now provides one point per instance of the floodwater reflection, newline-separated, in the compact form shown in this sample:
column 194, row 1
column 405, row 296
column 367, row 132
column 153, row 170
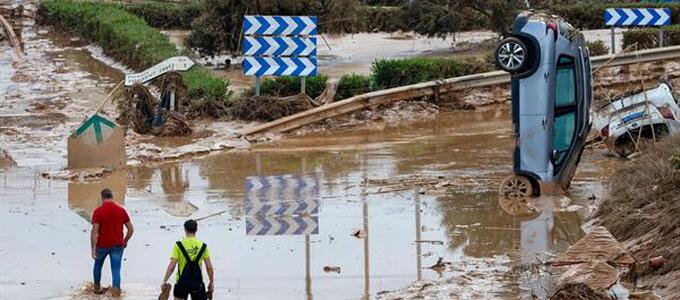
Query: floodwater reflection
column 471, row 149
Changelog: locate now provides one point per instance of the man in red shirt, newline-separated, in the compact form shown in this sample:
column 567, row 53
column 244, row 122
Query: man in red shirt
column 106, row 239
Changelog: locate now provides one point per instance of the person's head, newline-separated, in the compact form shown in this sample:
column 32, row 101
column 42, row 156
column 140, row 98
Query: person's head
column 106, row 194
column 190, row 227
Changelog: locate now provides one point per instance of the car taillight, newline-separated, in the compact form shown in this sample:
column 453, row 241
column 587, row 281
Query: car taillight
column 604, row 131
column 552, row 26
column 666, row 112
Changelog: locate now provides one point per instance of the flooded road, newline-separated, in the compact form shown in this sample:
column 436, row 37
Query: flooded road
column 284, row 257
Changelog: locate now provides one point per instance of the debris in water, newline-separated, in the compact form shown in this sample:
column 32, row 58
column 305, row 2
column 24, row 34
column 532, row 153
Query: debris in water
column 80, row 174
column 6, row 161
column 331, row 269
column 440, row 266
column 433, row 242
column 359, row 233
column 578, row 291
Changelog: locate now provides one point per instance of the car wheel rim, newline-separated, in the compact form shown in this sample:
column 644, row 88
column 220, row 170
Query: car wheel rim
column 511, row 55
column 517, row 187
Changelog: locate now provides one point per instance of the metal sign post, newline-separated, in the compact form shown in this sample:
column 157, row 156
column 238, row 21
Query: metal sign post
column 637, row 17
column 279, row 46
column 613, row 40
column 302, row 85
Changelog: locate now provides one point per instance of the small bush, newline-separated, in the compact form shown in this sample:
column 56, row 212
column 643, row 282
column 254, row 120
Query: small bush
column 400, row 72
column 597, row 48
column 351, row 85
column 378, row 18
column 649, row 37
column 288, row 86
column 166, row 15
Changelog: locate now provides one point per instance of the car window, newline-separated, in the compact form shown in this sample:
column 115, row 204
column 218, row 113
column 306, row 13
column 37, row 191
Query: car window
column 563, row 134
column 565, row 82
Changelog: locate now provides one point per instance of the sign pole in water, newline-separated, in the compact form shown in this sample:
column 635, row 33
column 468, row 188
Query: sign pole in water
column 637, row 17
column 279, row 46
column 96, row 143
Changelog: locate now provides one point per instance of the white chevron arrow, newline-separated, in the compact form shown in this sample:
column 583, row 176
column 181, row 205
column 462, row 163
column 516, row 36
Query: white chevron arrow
column 309, row 25
column 664, row 16
column 615, row 16
column 647, row 17
column 256, row 24
column 631, row 17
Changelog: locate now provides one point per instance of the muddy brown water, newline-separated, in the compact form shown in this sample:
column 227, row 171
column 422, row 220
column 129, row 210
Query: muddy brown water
column 45, row 234
column 48, row 236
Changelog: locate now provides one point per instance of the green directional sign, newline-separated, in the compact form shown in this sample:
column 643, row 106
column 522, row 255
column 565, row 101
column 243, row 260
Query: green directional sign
column 97, row 126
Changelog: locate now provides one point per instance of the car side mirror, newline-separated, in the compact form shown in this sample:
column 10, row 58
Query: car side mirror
column 555, row 155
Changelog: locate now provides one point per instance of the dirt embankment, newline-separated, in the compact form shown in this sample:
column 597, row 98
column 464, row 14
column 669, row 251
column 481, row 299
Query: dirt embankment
column 643, row 213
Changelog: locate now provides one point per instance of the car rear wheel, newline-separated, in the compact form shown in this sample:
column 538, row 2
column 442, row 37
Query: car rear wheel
column 516, row 186
column 512, row 55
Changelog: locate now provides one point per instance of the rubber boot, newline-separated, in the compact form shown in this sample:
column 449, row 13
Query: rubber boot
column 115, row 292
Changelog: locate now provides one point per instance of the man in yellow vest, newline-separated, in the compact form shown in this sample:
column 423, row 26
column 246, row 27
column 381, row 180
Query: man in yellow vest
column 189, row 254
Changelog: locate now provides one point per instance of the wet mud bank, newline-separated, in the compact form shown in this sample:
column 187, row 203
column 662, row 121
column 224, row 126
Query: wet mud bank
column 642, row 213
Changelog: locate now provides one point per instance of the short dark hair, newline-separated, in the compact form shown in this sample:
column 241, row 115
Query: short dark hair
column 191, row 226
column 107, row 194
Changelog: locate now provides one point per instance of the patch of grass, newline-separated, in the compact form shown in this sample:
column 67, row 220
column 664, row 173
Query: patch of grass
column 388, row 73
column 353, row 84
column 287, row 86
column 129, row 39
column 597, row 48
column 648, row 38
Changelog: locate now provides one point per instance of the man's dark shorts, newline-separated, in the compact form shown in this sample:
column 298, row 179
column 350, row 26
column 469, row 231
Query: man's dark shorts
column 183, row 293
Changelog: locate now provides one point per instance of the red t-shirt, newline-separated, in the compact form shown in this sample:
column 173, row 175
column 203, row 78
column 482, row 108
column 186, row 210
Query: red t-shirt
column 111, row 217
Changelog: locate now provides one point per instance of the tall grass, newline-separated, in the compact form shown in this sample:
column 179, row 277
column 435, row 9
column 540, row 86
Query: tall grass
column 127, row 38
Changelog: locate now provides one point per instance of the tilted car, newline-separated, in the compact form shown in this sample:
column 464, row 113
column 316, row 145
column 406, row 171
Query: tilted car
column 551, row 95
column 646, row 115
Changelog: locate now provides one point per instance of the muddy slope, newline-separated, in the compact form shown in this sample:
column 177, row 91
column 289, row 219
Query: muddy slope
column 643, row 213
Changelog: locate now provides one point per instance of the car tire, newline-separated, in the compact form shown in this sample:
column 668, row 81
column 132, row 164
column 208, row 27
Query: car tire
column 512, row 55
column 516, row 186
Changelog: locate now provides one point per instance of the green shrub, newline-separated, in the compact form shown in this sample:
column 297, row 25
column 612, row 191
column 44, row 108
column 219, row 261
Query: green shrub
column 649, row 37
column 597, row 48
column 590, row 15
column 287, row 86
column 399, row 72
column 166, row 15
column 127, row 38
column 351, row 85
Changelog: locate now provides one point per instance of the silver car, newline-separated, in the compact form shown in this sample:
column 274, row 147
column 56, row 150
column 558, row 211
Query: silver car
column 551, row 96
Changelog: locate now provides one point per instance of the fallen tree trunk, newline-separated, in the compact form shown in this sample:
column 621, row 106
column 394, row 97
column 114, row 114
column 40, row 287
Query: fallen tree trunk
column 11, row 36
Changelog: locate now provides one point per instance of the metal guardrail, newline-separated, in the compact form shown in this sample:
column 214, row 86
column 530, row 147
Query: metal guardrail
column 439, row 87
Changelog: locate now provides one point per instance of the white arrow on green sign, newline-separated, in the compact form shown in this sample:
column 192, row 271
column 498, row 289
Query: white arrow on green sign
column 177, row 63
column 97, row 126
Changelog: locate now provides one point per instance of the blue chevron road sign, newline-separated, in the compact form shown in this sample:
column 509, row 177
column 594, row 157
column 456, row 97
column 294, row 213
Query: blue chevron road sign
column 279, row 66
column 622, row 17
column 279, row 46
column 282, row 225
column 282, row 204
column 279, row 25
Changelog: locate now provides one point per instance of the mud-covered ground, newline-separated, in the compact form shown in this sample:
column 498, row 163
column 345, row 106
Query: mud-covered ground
column 459, row 157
